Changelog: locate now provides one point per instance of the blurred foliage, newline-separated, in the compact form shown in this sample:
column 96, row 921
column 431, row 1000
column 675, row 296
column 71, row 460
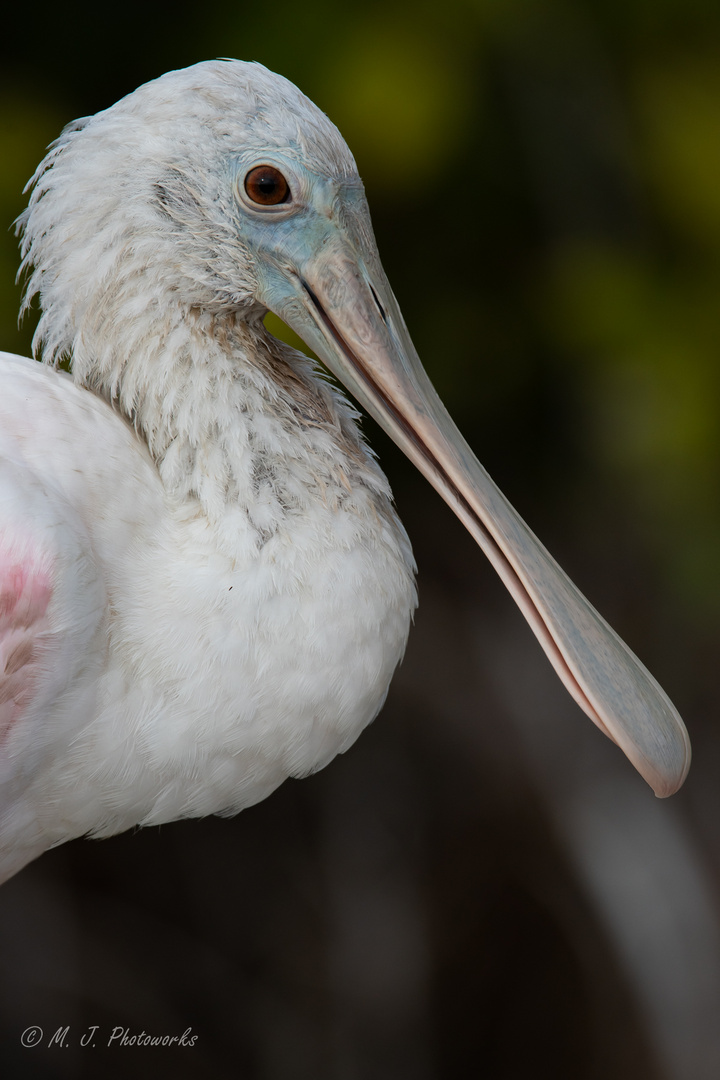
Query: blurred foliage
column 26, row 126
column 544, row 178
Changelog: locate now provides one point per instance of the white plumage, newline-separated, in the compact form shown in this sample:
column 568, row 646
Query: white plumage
column 204, row 587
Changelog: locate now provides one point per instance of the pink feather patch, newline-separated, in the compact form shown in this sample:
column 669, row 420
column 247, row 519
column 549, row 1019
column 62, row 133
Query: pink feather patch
column 25, row 591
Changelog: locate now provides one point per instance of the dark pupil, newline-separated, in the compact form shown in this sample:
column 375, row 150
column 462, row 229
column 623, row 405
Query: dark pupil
column 266, row 184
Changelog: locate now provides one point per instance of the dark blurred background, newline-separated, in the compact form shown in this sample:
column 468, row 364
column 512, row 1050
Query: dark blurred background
column 482, row 885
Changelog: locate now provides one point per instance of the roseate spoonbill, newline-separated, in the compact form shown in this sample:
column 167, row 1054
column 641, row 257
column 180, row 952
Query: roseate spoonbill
column 204, row 587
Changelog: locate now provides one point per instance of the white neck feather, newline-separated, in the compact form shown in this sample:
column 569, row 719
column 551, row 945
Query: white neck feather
column 234, row 419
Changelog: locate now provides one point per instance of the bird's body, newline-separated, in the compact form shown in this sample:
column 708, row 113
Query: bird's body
column 201, row 646
column 204, row 587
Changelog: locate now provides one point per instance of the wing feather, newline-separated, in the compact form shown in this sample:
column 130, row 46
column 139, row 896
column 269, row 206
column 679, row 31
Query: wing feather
column 65, row 528
column 25, row 592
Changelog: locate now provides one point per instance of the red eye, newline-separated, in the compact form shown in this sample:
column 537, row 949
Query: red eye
column 267, row 186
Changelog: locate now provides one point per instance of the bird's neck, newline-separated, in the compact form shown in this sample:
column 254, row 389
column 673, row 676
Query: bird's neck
column 236, row 420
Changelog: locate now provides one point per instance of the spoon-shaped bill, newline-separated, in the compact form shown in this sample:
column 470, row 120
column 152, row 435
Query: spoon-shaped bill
column 341, row 304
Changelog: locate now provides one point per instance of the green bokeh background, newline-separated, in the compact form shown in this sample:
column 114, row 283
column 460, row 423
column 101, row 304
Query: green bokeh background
column 544, row 178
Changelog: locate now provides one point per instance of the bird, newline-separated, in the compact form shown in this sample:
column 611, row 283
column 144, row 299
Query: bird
column 205, row 587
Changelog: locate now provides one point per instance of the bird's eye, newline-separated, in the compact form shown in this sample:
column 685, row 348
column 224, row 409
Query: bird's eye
column 267, row 186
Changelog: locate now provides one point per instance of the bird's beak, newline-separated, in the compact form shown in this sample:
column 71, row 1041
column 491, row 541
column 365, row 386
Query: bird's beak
column 341, row 304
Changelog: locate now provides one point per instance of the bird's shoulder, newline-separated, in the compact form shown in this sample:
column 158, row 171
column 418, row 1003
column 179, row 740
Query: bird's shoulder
column 75, row 445
column 76, row 486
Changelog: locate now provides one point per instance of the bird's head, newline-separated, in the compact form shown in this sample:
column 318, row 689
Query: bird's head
column 221, row 189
